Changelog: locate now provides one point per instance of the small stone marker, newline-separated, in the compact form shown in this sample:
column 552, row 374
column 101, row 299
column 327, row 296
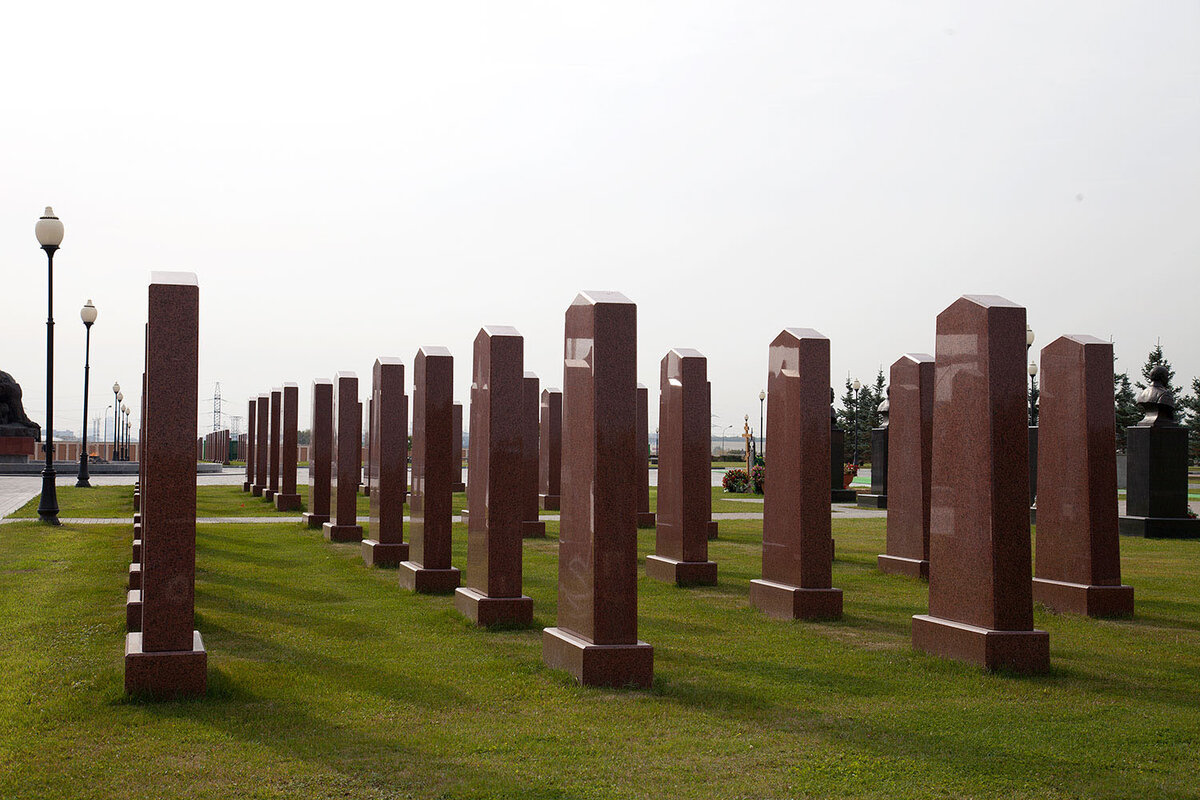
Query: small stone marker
column 550, row 450
column 797, row 559
column 288, row 499
column 389, row 464
column 980, row 587
column 645, row 517
column 493, row 592
column 320, row 453
column 531, row 526
column 596, row 638
column 910, row 462
column 166, row 657
column 684, row 465
column 346, row 468
column 435, row 467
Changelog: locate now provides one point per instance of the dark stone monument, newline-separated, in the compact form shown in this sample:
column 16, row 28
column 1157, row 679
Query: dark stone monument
column 550, row 446
column 797, row 559
column 596, row 638
column 435, row 467
column 166, row 658
column 18, row 434
column 346, row 469
column 388, row 468
column 287, row 499
column 645, row 517
column 531, row 526
column 1156, row 501
column 1077, row 566
column 910, row 451
column 879, row 462
column 320, row 453
column 837, row 466
column 262, row 446
column 456, row 446
column 980, row 588
column 497, row 508
column 684, row 465
column 368, row 476
column 274, row 445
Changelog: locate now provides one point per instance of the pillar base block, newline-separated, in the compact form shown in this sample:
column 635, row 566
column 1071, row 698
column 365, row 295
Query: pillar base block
column 843, row 496
column 681, row 573
column 135, row 575
column 1160, row 527
column 133, row 611
column 872, row 501
column 256, row 491
column 533, row 530
column 898, row 565
column 379, row 554
column 171, row 673
column 485, row 611
column 646, row 519
column 1020, row 651
column 550, row 502
column 341, row 533
column 421, row 580
column 1088, row 600
column 712, row 529
column 314, row 520
column 287, row 502
column 782, row 601
column 598, row 664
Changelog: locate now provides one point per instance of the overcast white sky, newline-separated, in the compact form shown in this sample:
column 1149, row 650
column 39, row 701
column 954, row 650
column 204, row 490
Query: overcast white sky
column 352, row 180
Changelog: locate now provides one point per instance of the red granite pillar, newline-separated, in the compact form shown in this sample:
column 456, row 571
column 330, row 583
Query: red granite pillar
column 493, row 591
column 388, row 451
column 910, row 461
column 550, row 449
column 276, row 411
column 531, row 525
column 596, row 637
column 262, row 447
column 645, row 517
column 456, row 448
column 346, row 467
column 980, row 589
column 1078, row 561
column 797, row 581
column 320, row 453
column 288, row 499
column 249, row 454
column 434, row 469
column 167, row 657
column 684, row 500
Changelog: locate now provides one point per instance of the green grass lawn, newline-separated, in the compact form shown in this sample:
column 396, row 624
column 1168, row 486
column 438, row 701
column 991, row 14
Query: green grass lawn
column 327, row 680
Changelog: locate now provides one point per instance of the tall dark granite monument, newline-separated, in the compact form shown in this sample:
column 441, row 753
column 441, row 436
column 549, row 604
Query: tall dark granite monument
column 1156, row 501
column 879, row 462
column 837, row 454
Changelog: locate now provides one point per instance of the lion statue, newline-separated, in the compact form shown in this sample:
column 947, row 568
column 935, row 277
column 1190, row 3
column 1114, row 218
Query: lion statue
column 13, row 421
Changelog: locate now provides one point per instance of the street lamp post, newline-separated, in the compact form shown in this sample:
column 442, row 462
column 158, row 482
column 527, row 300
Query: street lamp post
column 88, row 315
column 762, row 431
column 125, row 433
column 49, row 232
column 128, row 426
column 1033, row 371
column 857, row 400
column 116, row 411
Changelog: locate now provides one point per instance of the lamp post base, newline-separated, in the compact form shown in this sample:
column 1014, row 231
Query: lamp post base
column 48, row 505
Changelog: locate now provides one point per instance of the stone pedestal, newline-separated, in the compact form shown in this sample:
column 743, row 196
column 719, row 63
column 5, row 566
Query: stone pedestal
column 797, row 581
column 435, row 466
column 261, row 445
column 684, row 466
column 346, row 468
column 837, row 466
column 531, row 526
column 980, row 589
column 287, row 498
column 320, row 453
column 879, row 471
column 17, row 449
column 166, row 657
column 550, row 450
column 1156, row 501
column 910, row 451
column 645, row 517
column 494, row 486
column 596, row 637
column 133, row 611
column 456, row 444
column 388, row 468
column 1078, row 563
